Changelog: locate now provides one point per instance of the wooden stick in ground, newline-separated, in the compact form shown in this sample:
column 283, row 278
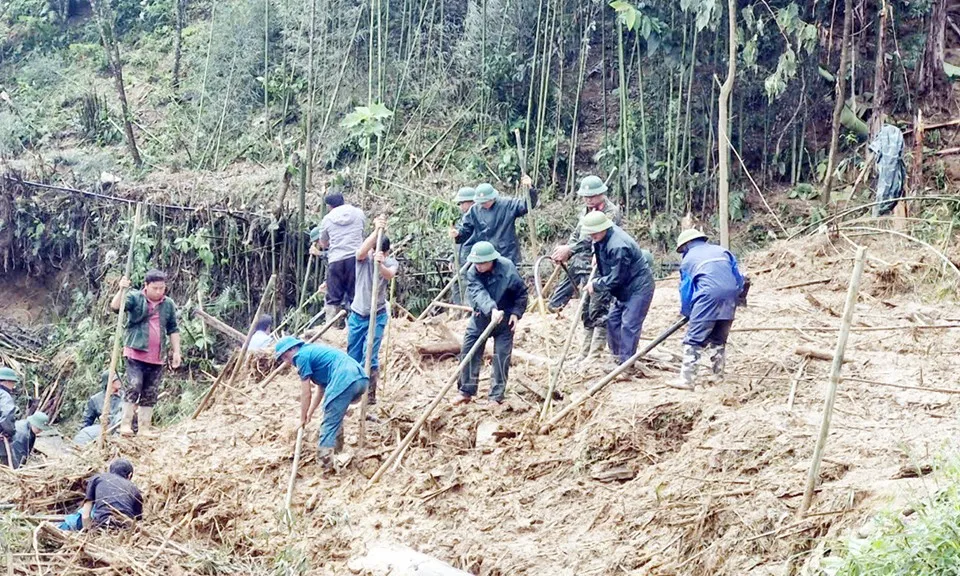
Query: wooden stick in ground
column 276, row 371
column 796, row 382
column 848, row 309
column 306, row 280
column 477, row 347
column 288, row 503
column 611, row 377
column 241, row 359
column 227, row 369
column 118, row 331
column 555, row 373
column 388, row 331
column 6, row 445
column 219, row 325
column 463, row 270
column 531, row 226
column 461, row 285
column 371, row 335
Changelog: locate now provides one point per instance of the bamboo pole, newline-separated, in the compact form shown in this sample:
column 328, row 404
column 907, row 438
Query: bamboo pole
column 288, row 512
column 276, row 371
column 238, row 366
column 848, row 309
column 371, row 334
column 276, row 331
column 522, row 155
column 555, row 374
column 387, row 363
column 220, row 325
column 6, row 445
column 227, row 368
column 478, row 346
column 442, row 293
column 118, row 331
column 306, row 280
column 456, row 264
column 611, row 376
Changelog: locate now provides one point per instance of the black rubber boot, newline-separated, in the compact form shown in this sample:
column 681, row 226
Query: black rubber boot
column 372, row 388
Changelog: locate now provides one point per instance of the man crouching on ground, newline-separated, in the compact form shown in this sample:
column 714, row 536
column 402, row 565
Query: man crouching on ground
column 341, row 380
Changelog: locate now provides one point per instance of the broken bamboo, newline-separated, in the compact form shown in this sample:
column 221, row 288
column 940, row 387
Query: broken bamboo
column 220, row 325
column 288, row 503
column 443, row 292
column 602, row 383
column 848, row 309
column 371, row 335
column 478, row 345
column 118, row 331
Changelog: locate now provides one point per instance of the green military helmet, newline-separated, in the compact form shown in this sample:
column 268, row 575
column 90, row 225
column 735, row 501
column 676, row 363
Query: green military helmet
column 687, row 236
column 592, row 186
column 594, row 222
column 39, row 420
column 485, row 193
column 465, row 194
column 8, row 375
column 314, row 234
column 483, row 252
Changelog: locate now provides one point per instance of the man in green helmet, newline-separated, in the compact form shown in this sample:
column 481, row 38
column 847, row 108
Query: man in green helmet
column 578, row 255
column 498, row 295
column 24, row 437
column 464, row 201
column 8, row 404
column 493, row 219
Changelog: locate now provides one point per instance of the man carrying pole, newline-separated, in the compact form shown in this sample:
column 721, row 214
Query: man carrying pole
column 151, row 322
column 624, row 273
column 493, row 219
column 358, row 323
column 710, row 286
column 577, row 253
column 496, row 293
column 341, row 381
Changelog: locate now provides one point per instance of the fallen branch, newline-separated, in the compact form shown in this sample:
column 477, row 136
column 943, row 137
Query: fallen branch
column 808, row 283
column 902, row 386
column 939, row 254
column 817, row 354
column 220, row 326
column 852, row 328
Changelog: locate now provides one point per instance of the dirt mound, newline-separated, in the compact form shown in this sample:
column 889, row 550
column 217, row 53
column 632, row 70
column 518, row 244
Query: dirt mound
column 642, row 479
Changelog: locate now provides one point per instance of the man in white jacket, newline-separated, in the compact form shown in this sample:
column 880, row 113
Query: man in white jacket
column 340, row 234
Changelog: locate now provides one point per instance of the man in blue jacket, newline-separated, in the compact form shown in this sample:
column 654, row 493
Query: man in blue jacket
column 493, row 219
column 710, row 285
column 622, row 271
column 341, row 381
column 498, row 295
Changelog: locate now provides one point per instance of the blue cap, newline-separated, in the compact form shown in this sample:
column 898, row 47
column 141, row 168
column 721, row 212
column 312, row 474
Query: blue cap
column 285, row 344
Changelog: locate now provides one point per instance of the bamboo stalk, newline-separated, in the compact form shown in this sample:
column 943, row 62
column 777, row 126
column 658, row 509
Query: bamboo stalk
column 371, row 335
column 227, row 368
column 118, row 331
column 848, row 309
column 387, row 363
column 306, row 280
column 796, row 382
column 555, row 374
column 442, row 293
column 611, row 377
column 532, row 231
column 478, row 345
column 288, row 512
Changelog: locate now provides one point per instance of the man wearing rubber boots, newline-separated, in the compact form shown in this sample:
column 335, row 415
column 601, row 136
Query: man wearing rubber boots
column 577, row 254
column 498, row 295
column 341, row 381
column 493, row 219
column 710, row 286
column 624, row 273
column 358, row 323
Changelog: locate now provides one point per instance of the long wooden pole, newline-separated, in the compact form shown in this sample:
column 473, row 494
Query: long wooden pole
column 555, row 374
column 288, row 503
column 276, row 371
column 227, row 369
column 276, row 331
column 387, row 363
column 610, row 377
column 531, row 228
column 306, row 280
column 220, row 325
column 443, row 292
column 847, row 319
column 241, row 359
column 478, row 345
column 371, row 335
column 118, row 331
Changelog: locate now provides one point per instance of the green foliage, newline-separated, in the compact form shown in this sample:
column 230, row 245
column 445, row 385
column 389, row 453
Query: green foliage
column 366, row 123
column 804, row 191
column 197, row 245
column 798, row 36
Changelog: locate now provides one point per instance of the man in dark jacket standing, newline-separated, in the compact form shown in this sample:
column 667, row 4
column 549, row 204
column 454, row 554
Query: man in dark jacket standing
column 493, row 219
column 151, row 321
column 710, row 285
column 623, row 272
column 8, row 404
column 498, row 295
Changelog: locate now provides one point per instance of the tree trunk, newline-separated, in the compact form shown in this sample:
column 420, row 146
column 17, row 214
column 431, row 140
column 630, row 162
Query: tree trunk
column 838, row 104
column 723, row 127
column 177, row 39
column 929, row 71
column 104, row 16
column 879, row 75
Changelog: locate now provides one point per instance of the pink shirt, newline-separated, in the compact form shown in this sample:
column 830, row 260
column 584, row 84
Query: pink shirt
column 152, row 354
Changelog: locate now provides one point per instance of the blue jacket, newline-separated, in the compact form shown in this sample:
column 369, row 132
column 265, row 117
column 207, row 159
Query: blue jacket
column 8, row 413
column 329, row 368
column 710, row 283
column 496, row 225
column 500, row 288
column 622, row 269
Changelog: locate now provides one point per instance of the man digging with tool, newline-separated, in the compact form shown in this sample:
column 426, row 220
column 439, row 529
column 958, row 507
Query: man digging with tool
column 577, row 254
column 623, row 272
column 493, row 219
column 496, row 292
column 151, row 321
column 340, row 234
column 358, row 322
column 710, row 287
column 341, row 381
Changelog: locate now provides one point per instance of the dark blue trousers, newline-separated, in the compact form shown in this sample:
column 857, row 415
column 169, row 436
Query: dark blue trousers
column 626, row 322
column 502, row 351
